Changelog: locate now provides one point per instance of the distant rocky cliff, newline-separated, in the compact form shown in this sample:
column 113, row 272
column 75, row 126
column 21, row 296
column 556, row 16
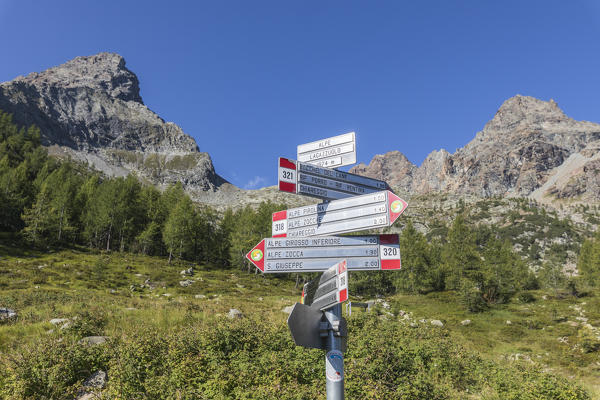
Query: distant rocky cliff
column 90, row 109
column 530, row 148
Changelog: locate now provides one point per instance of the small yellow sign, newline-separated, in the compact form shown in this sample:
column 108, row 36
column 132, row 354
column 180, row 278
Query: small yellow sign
column 256, row 255
column 396, row 206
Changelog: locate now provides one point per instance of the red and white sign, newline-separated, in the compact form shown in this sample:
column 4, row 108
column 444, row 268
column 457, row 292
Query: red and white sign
column 323, row 183
column 342, row 286
column 287, row 175
column 369, row 211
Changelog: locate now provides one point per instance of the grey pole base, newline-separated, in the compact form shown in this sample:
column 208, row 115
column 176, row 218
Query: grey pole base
column 334, row 359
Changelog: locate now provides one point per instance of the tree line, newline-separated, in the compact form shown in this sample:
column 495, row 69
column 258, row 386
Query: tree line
column 49, row 202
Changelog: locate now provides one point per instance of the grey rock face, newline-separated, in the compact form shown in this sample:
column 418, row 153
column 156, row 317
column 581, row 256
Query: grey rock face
column 189, row 271
column 393, row 167
column 92, row 386
column 93, row 340
column 96, row 380
column 234, row 313
column 7, row 314
column 90, row 109
column 186, row 283
column 528, row 143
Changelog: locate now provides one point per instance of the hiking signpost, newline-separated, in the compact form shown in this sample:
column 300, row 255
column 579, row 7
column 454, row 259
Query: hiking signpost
column 303, row 240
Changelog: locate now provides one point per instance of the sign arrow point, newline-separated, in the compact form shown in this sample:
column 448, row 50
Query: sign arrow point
column 396, row 206
column 257, row 255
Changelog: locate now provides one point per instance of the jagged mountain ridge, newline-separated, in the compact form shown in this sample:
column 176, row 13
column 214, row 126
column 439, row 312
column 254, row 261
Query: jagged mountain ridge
column 530, row 148
column 90, row 109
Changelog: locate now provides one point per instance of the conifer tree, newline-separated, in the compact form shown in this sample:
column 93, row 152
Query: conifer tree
column 503, row 271
column 588, row 263
column 178, row 227
column 460, row 257
column 416, row 260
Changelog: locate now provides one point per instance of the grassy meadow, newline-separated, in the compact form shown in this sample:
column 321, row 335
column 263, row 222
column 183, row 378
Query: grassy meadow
column 168, row 341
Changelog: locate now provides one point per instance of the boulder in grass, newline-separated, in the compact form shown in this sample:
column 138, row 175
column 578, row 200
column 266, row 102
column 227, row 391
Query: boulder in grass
column 186, row 283
column 234, row 313
column 7, row 314
column 436, row 322
column 465, row 322
column 58, row 321
column 189, row 271
column 92, row 385
column 93, row 340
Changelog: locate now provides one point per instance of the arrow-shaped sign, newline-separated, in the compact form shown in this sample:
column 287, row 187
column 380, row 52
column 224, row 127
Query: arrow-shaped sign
column 323, row 183
column 330, row 289
column 362, row 253
column 369, row 211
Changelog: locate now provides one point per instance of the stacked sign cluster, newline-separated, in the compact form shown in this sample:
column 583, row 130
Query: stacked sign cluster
column 303, row 238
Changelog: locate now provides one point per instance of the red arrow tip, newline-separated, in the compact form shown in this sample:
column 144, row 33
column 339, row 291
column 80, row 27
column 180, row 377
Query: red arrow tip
column 396, row 206
column 257, row 255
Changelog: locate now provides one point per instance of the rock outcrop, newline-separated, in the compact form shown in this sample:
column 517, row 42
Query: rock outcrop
column 90, row 109
column 530, row 148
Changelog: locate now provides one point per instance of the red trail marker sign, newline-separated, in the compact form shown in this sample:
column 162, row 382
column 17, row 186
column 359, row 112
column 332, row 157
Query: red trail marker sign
column 323, row 183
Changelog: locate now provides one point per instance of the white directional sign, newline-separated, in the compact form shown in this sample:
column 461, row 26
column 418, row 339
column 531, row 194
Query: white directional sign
column 369, row 211
column 323, row 183
column 332, row 152
column 332, row 287
column 312, row 254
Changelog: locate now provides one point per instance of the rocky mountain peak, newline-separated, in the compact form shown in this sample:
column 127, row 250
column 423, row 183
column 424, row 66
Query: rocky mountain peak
column 90, row 109
column 529, row 148
column 524, row 112
column 393, row 166
column 105, row 72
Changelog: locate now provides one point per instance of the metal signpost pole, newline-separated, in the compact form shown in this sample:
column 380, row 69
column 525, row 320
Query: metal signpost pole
column 334, row 359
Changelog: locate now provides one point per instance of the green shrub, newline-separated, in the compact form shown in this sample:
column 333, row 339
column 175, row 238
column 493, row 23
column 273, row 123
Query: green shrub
column 471, row 297
column 525, row 297
column 88, row 323
column 588, row 340
column 252, row 358
column 52, row 368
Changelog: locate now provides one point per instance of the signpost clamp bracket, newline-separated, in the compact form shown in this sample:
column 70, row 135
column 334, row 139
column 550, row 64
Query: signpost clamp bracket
column 339, row 328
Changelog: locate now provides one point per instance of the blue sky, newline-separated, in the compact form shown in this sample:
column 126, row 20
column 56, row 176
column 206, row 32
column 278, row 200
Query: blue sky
column 249, row 80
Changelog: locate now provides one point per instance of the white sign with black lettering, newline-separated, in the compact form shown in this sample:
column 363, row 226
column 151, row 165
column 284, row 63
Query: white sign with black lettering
column 324, row 183
column 362, row 253
column 370, row 211
column 333, row 152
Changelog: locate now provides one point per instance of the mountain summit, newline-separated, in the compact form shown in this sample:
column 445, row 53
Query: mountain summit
column 90, row 109
column 530, row 148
